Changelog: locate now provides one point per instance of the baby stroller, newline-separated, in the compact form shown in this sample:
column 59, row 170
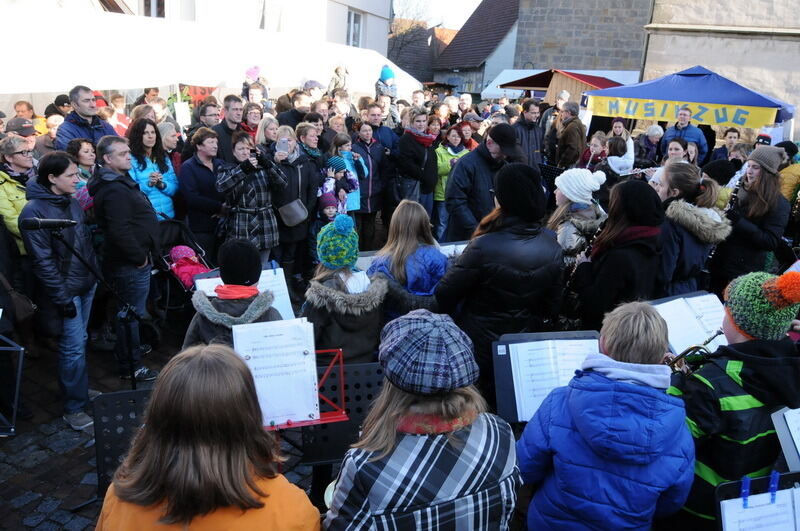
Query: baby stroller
column 169, row 293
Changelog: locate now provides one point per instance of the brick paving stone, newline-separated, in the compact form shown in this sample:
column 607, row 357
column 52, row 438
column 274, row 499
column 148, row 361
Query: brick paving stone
column 24, row 499
column 16, row 444
column 89, row 479
column 7, row 472
column 33, row 458
column 79, row 523
column 50, row 428
column 48, row 505
column 48, row 526
column 62, row 516
column 65, row 440
column 34, row 520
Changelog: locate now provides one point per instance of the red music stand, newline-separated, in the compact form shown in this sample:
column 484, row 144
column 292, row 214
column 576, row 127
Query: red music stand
column 338, row 413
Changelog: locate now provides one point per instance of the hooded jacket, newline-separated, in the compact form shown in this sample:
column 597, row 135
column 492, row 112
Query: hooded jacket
column 608, row 451
column 214, row 318
column 729, row 402
column 577, row 229
column 161, row 199
column 75, row 126
column 687, row 236
column 469, row 195
column 344, row 320
column 126, row 217
column 60, row 275
column 12, row 200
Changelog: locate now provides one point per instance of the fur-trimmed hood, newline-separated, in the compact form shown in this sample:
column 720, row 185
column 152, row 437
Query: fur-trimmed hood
column 338, row 301
column 224, row 312
column 707, row 224
column 587, row 226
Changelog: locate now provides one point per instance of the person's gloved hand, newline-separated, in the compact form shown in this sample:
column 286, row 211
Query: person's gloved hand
column 68, row 311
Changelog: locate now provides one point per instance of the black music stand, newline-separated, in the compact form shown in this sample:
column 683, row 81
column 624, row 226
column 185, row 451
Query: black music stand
column 117, row 419
column 8, row 427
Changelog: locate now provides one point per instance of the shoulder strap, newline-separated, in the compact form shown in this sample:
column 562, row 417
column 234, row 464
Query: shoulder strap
column 5, row 283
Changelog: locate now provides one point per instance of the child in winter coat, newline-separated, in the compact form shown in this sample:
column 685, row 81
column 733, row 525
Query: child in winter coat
column 578, row 215
column 238, row 300
column 729, row 400
column 611, row 450
column 185, row 264
column 344, row 306
column 342, row 146
column 327, row 205
column 339, row 182
column 411, row 261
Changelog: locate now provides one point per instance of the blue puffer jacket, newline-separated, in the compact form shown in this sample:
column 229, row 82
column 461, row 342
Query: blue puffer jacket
column 689, row 133
column 424, row 269
column 606, row 454
column 76, row 127
column 161, row 199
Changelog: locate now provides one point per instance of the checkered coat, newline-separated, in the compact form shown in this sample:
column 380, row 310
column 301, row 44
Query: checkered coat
column 249, row 195
column 430, row 482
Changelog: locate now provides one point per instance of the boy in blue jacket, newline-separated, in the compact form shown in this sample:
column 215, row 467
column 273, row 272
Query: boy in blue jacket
column 611, row 450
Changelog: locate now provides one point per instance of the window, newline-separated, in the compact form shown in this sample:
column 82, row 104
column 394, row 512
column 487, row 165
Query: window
column 353, row 28
column 153, row 8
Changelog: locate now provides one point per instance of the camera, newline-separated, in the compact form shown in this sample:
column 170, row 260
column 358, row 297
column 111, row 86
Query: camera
column 262, row 159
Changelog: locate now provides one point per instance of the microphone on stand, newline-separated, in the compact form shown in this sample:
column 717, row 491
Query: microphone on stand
column 38, row 223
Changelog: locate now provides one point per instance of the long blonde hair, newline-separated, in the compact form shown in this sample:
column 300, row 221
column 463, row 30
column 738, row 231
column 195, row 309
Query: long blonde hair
column 380, row 427
column 410, row 228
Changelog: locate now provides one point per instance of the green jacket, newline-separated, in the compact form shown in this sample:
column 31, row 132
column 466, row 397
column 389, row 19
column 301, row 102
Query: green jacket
column 443, row 157
column 729, row 401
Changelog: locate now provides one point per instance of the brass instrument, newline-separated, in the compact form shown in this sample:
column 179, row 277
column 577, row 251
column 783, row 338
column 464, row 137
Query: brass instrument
column 693, row 357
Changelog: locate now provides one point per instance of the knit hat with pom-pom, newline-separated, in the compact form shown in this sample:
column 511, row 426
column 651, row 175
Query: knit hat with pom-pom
column 761, row 305
column 578, row 184
column 337, row 243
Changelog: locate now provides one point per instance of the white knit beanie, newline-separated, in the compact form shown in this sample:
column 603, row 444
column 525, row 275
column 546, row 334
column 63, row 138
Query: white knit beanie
column 578, row 184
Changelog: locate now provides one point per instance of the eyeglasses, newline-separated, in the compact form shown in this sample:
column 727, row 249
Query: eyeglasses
column 24, row 153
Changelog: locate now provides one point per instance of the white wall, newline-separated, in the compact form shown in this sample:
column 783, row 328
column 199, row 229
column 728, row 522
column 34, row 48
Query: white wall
column 501, row 58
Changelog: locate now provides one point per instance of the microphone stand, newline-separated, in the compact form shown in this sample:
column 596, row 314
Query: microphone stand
column 127, row 315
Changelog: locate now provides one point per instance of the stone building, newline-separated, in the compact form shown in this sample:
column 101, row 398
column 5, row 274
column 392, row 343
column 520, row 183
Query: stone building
column 415, row 47
column 590, row 34
column 755, row 43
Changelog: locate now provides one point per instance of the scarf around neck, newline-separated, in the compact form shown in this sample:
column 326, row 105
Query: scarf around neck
column 422, row 138
column 425, row 424
column 636, row 232
column 312, row 152
column 233, row 291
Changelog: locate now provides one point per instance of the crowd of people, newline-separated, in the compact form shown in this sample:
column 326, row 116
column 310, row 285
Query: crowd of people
column 564, row 231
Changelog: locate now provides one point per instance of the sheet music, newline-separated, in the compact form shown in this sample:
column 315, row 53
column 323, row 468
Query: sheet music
column 281, row 357
column 692, row 321
column 792, row 417
column 761, row 514
column 541, row 366
column 272, row 280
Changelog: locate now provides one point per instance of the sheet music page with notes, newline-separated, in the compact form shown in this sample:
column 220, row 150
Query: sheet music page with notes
column 693, row 320
column 760, row 514
column 541, row 366
column 281, row 357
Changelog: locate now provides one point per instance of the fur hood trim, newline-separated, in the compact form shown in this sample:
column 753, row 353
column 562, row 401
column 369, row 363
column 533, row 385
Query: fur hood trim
column 260, row 305
column 319, row 296
column 588, row 226
column 707, row 224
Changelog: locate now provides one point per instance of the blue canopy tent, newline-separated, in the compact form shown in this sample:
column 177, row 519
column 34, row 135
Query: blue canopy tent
column 714, row 100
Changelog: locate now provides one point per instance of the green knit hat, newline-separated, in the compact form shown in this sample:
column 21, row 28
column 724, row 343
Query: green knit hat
column 337, row 243
column 762, row 305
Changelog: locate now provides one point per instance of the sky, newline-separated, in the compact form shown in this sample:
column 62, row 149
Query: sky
column 452, row 15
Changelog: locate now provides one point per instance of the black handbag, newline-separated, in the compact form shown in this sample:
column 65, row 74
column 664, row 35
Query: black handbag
column 22, row 307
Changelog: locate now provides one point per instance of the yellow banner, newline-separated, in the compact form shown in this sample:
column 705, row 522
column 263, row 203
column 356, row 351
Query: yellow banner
column 704, row 113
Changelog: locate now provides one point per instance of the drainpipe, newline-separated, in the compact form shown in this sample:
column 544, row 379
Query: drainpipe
column 647, row 41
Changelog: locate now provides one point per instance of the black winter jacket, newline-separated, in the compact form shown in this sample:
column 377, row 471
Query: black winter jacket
column 746, row 248
column 624, row 273
column 126, row 217
column 60, row 275
column 292, row 117
column 470, row 192
column 373, row 184
column 530, row 138
column 508, row 282
column 225, row 141
column 350, row 321
column 302, row 182
column 417, row 162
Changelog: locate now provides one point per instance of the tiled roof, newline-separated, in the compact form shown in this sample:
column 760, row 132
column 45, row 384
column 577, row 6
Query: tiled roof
column 541, row 80
column 480, row 35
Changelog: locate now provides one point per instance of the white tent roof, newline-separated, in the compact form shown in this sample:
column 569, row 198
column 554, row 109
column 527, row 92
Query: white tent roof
column 108, row 51
column 493, row 90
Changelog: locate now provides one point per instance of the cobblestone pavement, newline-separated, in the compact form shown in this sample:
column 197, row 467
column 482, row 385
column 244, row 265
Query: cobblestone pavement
column 48, row 468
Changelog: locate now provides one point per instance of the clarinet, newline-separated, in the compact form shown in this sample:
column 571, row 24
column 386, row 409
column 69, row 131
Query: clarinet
column 733, row 202
column 588, row 250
